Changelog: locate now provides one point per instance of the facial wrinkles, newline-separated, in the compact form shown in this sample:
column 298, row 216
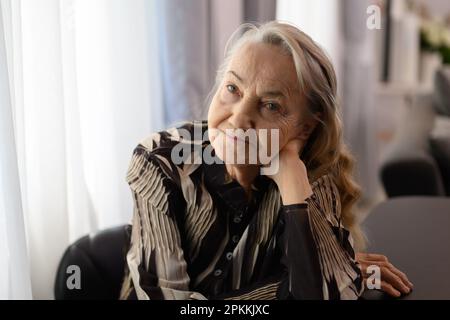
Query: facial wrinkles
column 263, row 70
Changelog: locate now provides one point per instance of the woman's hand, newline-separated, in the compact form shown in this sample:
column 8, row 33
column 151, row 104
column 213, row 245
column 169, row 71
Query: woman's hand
column 291, row 178
column 393, row 281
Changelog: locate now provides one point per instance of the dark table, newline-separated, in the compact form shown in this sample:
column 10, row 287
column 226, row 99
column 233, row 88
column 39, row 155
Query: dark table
column 414, row 233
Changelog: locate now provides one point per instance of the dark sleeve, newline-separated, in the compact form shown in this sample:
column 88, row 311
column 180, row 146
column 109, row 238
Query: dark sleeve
column 300, row 256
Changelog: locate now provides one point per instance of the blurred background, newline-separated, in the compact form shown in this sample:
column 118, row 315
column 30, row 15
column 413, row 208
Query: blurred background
column 82, row 82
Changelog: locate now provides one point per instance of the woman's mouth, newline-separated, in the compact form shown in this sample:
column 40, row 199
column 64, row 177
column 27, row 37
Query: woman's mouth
column 233, row 137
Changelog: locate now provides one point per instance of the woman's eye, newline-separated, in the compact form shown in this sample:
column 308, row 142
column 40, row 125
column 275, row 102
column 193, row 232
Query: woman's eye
column 231, row 88
column 272, row 106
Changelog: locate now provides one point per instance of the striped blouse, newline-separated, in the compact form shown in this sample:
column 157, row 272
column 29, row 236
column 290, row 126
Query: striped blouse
column 196, row 236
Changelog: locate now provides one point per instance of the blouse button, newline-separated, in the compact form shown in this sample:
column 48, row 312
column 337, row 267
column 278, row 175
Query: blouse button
column 218, row 272
column 229, row 255
column 237, row 220
column 235, row 238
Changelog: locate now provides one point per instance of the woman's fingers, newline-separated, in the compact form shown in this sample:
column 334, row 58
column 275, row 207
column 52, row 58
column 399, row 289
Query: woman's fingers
column 386, row 284
column 401, row 275
column 389, row 289
column 394, row 280
column 366, row 259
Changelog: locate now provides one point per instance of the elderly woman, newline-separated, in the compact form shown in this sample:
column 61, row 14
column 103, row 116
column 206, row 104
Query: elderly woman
column 224, row 230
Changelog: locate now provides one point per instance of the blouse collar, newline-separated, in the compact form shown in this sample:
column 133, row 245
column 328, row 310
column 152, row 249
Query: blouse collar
column 217, row 180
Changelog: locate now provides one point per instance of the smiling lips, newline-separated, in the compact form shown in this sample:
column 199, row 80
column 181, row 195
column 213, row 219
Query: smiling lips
column 233, row 138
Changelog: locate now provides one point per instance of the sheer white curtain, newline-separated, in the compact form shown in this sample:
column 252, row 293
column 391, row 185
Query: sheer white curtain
column 14, row 264
column 82, row 88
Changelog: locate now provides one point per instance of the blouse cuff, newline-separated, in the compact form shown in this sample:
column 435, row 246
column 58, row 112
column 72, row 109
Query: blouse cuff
column 296, row 207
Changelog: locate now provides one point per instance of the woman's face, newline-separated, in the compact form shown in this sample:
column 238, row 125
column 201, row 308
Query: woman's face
column 260, row 90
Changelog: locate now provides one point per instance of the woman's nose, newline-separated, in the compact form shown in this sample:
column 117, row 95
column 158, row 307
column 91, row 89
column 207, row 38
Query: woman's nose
column 242, row 116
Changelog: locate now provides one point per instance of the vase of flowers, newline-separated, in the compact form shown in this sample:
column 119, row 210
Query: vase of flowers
column 435, row 49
